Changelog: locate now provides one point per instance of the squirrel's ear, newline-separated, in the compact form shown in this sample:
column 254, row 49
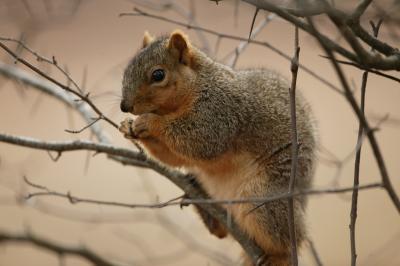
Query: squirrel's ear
column 147, row 39
column 180, row 46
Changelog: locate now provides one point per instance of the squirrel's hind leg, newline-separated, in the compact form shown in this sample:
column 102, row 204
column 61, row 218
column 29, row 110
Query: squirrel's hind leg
column 212, row 224
column 267, row 224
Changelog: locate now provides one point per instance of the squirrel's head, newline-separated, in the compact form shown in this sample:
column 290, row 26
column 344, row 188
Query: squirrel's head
column 159, row 78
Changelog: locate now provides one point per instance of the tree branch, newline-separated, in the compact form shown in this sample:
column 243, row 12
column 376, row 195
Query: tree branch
column 302, row 25
column 360, row 9
column 56, row 248
column 295, row 146
column 41, row 58
column 44, row 191
column 54, row 91
column 391, row 62
column 370, row 70
column 64, row 146
column 354, row 201
column 369, row 132
column 84, row 98
column 184, row 200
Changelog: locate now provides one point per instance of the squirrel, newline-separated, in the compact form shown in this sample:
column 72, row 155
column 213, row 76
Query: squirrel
column 230, row 128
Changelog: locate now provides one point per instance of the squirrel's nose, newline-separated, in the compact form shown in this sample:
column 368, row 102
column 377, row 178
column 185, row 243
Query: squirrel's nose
column 125, row 107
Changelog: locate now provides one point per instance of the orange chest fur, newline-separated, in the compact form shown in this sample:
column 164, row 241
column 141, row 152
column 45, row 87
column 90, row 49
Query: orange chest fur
column 224, row 177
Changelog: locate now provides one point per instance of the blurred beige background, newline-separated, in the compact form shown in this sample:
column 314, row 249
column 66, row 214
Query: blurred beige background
column 95, row 38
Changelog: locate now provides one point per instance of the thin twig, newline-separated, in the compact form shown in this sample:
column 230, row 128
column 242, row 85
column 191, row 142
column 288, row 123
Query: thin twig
column 253, row 21
column 54, row 158
column 239, row 49
column 370, row 70
column 41, row 58
column 65, row 146
column 360, row 9
column 354, row 200
column 353, row 212
column 183, row 200
column 84, row 98
column 57, row 248
column 314, row 252
column 75, row 200
column 295, row 149
column 85, row 127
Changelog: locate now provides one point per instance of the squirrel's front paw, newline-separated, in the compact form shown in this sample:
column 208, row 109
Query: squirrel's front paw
column 126, row 128
column 137, row 129
column 141, row 126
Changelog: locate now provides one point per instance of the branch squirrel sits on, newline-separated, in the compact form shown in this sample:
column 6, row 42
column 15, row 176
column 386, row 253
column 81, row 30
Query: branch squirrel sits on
column 231, row 128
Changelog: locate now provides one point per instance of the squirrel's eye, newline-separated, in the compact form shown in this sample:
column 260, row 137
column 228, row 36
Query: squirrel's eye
column 158, row 75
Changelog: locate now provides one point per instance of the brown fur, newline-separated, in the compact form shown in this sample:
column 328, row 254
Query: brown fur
column 230, row 128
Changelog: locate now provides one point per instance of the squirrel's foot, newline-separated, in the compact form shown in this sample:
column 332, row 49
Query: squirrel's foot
column 212, row 224
column 216, row 228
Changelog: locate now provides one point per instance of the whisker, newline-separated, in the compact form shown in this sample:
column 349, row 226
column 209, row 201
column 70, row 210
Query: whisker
column 107, row 96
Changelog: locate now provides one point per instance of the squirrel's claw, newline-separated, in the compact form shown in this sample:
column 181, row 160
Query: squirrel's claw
column 126, row 128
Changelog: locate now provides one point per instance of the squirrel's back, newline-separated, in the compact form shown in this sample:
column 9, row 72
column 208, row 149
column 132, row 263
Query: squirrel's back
column 269, row 121
column 252, row 106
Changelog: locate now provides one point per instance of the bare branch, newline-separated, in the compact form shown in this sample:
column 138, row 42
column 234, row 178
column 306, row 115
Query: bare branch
column 370, row 133
column 75, row 200
column 52, row 90
column 85, row 127
column 314, row 252
column 390, row 62
column 200, row 198
column 302, row 25
column 64, row 146
column 184, row 200
column 370, row 70
column 84, row 98
column 295, row 147
column 54, row 158
column 354, row 201
column 41, row 58
column 56, row 248
column 252, row 22
column 353, row 213
column 360, row 9
column 243, row 44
